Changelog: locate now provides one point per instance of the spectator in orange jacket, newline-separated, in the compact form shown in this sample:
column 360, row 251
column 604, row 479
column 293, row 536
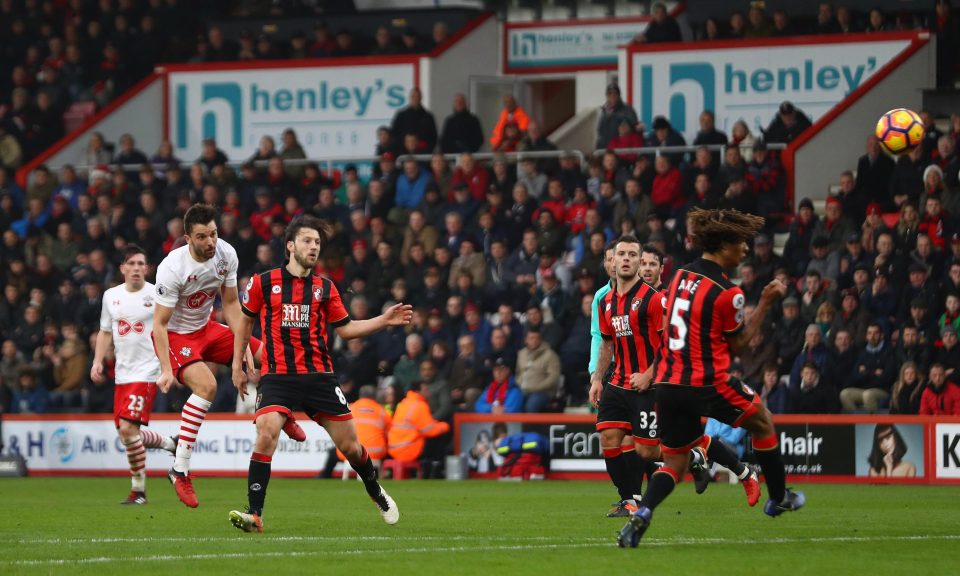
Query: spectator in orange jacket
column 512, row 112
column 372, row 423
column 941, row 398
column 413, row 424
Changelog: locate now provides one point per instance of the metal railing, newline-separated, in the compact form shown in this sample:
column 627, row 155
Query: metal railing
column 658, row 150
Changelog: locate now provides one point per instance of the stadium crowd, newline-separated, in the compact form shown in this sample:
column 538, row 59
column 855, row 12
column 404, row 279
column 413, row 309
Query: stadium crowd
column 500, row 261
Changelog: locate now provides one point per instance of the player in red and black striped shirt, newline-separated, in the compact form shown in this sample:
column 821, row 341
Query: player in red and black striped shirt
column 630, row 321
column 294, row 306
column 705, row 316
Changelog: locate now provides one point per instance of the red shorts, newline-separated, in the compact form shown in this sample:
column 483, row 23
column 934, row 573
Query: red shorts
column 133, row 402
column 212, row 343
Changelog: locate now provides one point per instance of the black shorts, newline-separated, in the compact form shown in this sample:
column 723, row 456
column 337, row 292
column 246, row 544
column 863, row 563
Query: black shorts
column 318, row 395
column 681, row 407
column 629, row 410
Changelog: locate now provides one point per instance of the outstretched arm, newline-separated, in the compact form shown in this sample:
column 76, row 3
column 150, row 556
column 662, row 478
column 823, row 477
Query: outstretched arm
column 396, row 315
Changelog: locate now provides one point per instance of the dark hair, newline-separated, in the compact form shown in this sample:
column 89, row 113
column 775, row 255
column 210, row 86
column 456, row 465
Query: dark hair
column 651, row 249
column 305, row 221
column 628, row 239
column 711, row 229
column 129, row 251
column 876, row 455
column 610, row 246
column 198, row 215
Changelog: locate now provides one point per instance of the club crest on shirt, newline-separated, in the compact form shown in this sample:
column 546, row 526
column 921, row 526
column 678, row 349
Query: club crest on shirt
column 317, row 292
column 221, row 266
column 147, row 301
column 186, row 351
column 635, row 304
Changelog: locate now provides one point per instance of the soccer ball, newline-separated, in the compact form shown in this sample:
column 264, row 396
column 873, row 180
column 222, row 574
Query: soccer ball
column 900, row 131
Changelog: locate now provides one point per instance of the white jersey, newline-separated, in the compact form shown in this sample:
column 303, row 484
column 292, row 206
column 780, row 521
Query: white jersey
column 129, row 315
column 190, row 287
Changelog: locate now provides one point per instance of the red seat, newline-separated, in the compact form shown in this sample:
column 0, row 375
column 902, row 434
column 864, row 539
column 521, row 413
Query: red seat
column 399, row 470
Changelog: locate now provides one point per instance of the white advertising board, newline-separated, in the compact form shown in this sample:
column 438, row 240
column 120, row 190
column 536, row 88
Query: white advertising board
column 946, row 444
column 335, row 110
column 92, row 446
column 749, row 81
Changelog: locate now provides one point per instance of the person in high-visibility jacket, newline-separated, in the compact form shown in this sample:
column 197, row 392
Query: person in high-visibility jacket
column 372, row 423
column 413, row 424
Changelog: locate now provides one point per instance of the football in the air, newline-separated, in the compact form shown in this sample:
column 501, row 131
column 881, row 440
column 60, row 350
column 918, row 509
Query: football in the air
column 900, row 131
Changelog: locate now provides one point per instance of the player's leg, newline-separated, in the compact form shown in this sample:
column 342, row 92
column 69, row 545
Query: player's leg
column 737, row 404
column 614, row 417
column 646, row 436
column 258, row 475
column 344, row 435
column 717, row 451
column 129, row 433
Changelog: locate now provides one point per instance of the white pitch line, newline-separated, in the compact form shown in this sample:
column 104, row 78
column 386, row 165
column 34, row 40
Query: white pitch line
column 591, row 543
column 240, row 537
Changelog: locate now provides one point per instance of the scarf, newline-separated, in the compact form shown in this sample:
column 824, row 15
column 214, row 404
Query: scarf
column 498, row 391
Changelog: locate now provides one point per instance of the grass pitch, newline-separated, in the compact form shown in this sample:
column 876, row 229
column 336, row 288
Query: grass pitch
column 75, row 525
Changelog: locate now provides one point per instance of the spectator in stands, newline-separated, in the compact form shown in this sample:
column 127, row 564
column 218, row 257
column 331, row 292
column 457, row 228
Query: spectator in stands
column 535, row 141
column 874, row 376
column 461, row 129
column 786, row 125
column 835, row 227
column 876, row 22
column 742, row 138
column 910, row 349
column 538, row 372
column 906, row 183
column 949, row 353
column 788, row 334
column 797, row 249
column 842, row 361
column 473, row 175
column 826, row 22
column 708, row 134
column 732, row 168
column 383, row 42
column 667, row 193
column 210, row 155
column 407, row 369
column 764, row 260
column 665, row 135
column 510, row 140
column 773, row 392
column 874, row 170
column 662, row 27
column 814, row 352
column 128, row 153
column 813, row 393
column 511, row 113
column 764, row 178
column 816, row 291
column 851, row 317
column 613, row 112
column 412, row 185
column 940, row 397
column 29, row 396
column 737, row 26
column 907, row 390
column 759, row 26
column 415, row 119
column 501, row 396
column 951, row 312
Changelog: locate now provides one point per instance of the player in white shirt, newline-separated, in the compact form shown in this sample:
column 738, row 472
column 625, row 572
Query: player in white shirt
column 126, row 321
column 186, row 337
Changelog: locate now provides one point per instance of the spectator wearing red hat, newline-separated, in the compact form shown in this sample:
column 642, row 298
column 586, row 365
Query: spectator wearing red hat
column 834, row 226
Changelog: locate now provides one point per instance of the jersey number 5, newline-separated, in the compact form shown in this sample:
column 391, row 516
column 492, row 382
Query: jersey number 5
column 680, row 305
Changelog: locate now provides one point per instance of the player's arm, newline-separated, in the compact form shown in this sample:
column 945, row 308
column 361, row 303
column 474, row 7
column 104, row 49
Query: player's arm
column 396, row 315
column 603, row 362
column 161, row 341
column 231, row 308
column 595, row 338
column 103, row 347
column 104, row 344
column 241, row 342
column 741, row 337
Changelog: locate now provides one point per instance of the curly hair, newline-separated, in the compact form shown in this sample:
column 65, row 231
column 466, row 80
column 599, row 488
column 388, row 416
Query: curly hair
column 711, row 229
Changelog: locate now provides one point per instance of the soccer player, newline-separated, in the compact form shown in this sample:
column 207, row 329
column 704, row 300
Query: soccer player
column 294, row 306
column 705, row 312
column 185, row 336
column 651, row 267
column 126, row 319
column 630, row 318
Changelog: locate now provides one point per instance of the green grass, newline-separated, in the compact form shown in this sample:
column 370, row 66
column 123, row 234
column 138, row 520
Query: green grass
column 74, row 525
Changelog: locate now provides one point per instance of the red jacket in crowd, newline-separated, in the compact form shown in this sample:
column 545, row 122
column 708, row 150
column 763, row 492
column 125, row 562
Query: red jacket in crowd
column 945, row 402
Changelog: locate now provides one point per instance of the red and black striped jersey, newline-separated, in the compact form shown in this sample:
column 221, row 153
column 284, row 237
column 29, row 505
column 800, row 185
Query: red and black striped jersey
column 633, row 321
column 704, row 308
column 294, row 313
